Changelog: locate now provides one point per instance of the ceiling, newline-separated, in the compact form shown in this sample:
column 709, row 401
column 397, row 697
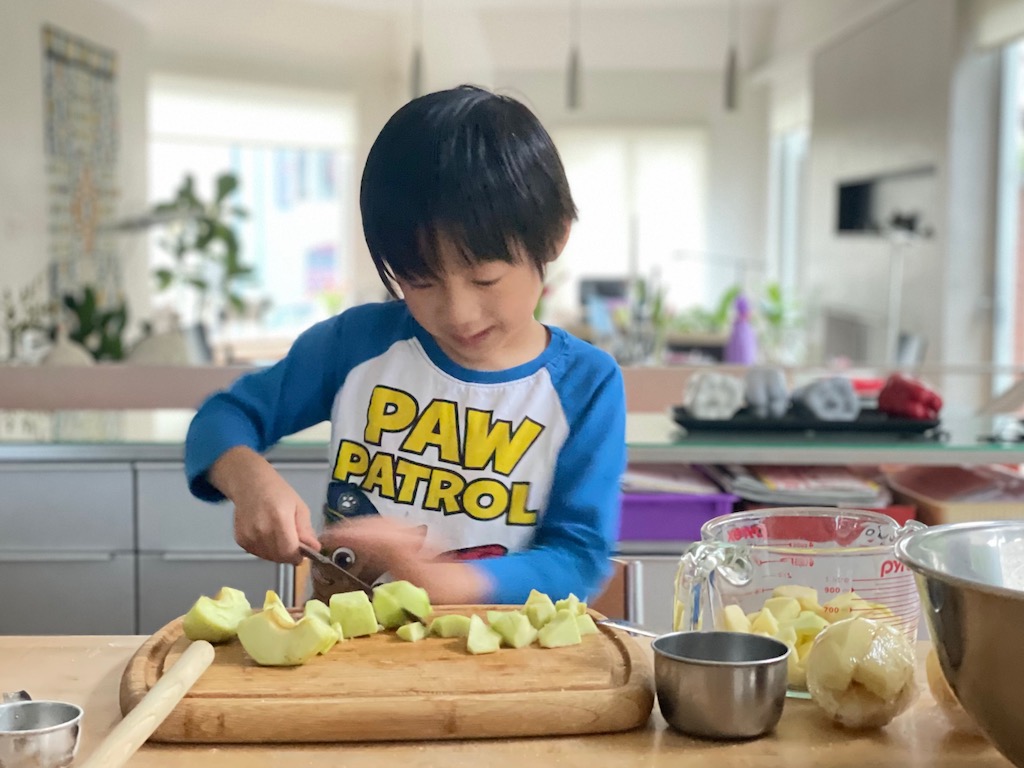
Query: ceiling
column 512, row 35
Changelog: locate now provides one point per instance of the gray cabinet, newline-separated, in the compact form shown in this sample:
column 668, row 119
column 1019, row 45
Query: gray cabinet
column 171, row 519
column 80, row 507
column 186, row 547
column 170, row 582
column 67, row 593
column 67, row 538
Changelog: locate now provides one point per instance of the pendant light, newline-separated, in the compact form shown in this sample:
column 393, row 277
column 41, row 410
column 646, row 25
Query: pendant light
column 572, row 89
column 731, row 73
column 416, row 66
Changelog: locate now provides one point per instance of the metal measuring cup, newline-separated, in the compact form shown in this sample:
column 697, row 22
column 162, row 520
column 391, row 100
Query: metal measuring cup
column 37, row 734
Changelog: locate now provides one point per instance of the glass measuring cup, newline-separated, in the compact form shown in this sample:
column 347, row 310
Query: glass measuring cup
column 744, row 556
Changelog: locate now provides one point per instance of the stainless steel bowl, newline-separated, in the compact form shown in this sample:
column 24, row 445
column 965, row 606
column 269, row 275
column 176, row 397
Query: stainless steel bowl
column 38, row 734
column 720, row 685
column 971, row 580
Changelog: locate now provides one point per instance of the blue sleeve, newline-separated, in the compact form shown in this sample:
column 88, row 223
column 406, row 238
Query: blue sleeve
column 262, row 407
column 578, row 530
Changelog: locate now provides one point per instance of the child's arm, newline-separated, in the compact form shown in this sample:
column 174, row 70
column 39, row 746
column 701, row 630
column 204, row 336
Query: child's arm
column 577, row 532
column 232, row 429
column 270, row 517
column 400, row 549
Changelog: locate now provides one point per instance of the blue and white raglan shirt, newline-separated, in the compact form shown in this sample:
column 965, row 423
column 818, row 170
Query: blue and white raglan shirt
column 524, row 461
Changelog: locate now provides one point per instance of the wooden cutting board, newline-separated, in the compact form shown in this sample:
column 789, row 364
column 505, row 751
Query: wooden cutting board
column 381, row 688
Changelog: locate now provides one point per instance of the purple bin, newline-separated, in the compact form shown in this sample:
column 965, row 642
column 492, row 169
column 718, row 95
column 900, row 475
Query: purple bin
column 670, row 516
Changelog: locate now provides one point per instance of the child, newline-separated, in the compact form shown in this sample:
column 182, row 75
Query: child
column 474, row 451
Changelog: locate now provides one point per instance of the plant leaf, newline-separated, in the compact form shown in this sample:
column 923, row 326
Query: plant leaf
column 226, row 184
column 164, row 277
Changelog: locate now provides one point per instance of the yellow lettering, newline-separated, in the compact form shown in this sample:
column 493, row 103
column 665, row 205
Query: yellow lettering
column 381, row 475
column 443, row 491
column 485, row 499
column 412, row 474
column 352, row 460
column 438, row 425
column 518, row 514
column 390, row 410
column 487, row 441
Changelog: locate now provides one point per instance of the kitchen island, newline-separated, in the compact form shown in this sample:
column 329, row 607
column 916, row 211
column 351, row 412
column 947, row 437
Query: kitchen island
column 86, row 670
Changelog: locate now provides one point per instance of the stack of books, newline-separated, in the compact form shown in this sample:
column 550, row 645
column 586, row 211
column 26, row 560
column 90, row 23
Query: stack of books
column 800, row 486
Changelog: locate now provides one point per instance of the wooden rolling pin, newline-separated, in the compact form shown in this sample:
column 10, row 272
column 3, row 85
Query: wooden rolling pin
column 139, row 724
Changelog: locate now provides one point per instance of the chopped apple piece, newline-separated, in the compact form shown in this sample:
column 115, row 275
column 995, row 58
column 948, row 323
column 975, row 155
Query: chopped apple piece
column 782, row 608
column 515, row 628
column 412, row 600
column 412, row 632
column 560, row 631
column 216, row 619
column 481, row 638
column 586, row 625
column 842, row 606
column 765, row 624
column 354, row 612
column 451, row 625
column 734, row 620
column 787, row 635
column 538, row 608
column 387, row 609
column 571, row 603
column 808, row 625
column 861, row 672
column 272, row 641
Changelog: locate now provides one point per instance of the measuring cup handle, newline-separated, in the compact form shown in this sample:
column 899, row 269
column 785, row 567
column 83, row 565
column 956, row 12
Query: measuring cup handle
column 909, row 527
column 693, row 580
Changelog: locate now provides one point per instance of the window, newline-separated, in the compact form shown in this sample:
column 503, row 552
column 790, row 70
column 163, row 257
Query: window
column 292, row 153
column 1008, row 341
column 641, row 200
column 789, row 152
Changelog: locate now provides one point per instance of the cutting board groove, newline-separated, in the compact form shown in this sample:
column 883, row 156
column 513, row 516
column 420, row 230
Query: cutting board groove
column 381, row 688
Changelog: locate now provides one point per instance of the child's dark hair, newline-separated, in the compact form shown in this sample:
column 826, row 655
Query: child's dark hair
column 472, row 165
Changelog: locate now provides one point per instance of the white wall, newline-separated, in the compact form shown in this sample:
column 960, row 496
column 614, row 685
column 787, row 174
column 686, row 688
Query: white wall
column 880, row 104
column 322, row 48
column 23, row 193
column 738, row 151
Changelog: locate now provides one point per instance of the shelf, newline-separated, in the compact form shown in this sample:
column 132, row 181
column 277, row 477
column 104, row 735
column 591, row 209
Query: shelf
column 654, row 438
column 158, row 436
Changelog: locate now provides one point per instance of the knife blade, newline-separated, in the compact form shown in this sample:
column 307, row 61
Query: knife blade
column 327, row 562
column 322, row 559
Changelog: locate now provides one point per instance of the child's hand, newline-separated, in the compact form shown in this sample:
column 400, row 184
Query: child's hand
column 380, row 544
column 399, row 550
column 270, row 517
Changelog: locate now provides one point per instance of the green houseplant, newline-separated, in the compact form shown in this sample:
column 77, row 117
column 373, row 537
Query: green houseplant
column 201, row 239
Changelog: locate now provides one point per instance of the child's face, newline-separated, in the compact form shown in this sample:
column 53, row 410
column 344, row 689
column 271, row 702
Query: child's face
column 480, row 314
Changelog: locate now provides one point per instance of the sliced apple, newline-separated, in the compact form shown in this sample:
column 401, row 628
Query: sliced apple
column 216, row 619
column 273, row 638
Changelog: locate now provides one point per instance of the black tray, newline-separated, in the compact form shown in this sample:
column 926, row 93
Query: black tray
column 869, row 421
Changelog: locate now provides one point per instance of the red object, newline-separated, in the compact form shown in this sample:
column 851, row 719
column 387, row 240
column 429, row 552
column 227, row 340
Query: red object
column 907, row 397
column 901, row 513
column 867, row 386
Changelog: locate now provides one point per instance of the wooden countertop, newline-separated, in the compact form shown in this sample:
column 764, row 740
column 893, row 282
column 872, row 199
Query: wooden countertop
column 87, row 671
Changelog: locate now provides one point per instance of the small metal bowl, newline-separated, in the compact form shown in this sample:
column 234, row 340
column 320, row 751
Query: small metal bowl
column 720, row 685
column 38, row 734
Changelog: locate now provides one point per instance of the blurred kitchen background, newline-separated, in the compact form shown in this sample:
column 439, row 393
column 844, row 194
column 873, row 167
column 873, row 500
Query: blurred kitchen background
column 853, row 169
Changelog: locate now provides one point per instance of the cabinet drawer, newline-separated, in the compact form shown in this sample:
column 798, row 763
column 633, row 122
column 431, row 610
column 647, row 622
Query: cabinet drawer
column 67, row 593
column 171, row 518
column 170, row 583
column 655, row 577
column 73, row 507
